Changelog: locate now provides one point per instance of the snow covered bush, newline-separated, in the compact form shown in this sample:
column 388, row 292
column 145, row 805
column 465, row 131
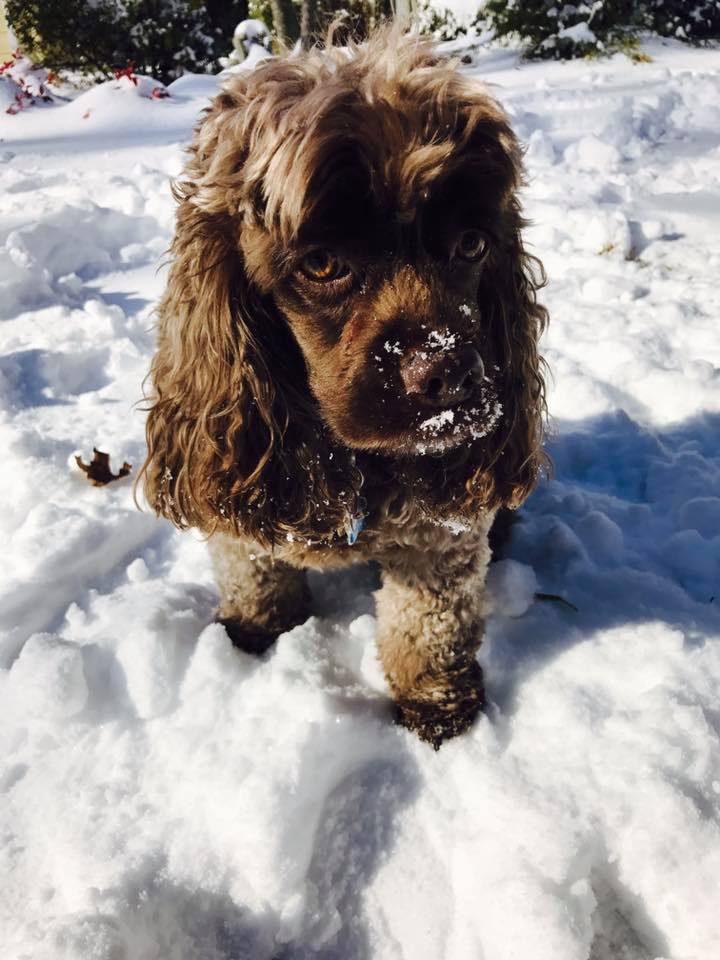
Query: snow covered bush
column 559, row 30
column 552, row 29
column 166, row 37
column 439, row 23
column 24, row 83
column 699, row 20
column 71, row 34
column 249, row 35
column 162, row 37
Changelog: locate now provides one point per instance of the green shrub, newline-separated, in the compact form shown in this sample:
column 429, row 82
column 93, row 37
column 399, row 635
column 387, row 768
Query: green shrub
column 162, row 37
column 440, row 24
column 551, row 28
column 557, row 30
column 694, row 21
column 69, row 34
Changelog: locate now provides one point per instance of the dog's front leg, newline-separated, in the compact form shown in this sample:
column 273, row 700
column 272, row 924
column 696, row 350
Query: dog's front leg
column 430, row 611
column 260, row 597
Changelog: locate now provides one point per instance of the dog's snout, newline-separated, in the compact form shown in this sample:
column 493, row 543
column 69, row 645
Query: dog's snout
column 441, row 379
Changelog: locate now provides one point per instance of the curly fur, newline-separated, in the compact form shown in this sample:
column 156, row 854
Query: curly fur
column 266, row 422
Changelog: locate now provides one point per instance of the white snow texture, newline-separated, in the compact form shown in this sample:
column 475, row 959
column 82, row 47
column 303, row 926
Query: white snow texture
column 165, row 797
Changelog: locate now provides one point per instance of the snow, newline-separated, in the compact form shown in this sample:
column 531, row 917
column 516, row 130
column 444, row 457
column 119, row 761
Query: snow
column 165, row 796
column 513, row 587
column 252, row 43
column 443, row 341
column 436, row 423
column 580, row 33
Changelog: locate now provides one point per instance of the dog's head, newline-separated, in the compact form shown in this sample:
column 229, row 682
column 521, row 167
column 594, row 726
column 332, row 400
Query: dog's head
column 349, row 276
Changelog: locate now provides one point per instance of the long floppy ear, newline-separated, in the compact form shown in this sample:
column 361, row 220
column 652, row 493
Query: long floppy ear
column 203, row 427
column 508, row 298
column 489, row 156
column 233, row 438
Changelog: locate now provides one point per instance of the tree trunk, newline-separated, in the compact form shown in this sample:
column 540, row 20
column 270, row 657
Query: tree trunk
column 383, row 10
column 285, row 20
column 405, row 10
column 308, row 23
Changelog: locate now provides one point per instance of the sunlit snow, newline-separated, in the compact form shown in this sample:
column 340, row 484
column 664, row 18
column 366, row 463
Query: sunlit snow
column 165, row 796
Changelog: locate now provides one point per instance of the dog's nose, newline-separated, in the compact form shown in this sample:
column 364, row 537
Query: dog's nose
column 441, row 379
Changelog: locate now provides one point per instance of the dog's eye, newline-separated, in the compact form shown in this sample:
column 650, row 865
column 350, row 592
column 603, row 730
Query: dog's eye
column 323, row 266
column 471, row 245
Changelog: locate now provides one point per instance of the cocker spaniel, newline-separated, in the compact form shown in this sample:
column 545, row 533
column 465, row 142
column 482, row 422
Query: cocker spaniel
column 347, row 365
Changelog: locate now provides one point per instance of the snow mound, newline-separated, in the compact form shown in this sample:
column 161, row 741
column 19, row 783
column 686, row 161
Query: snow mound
column 9, row 92
column 104, row 95
column 35, row 258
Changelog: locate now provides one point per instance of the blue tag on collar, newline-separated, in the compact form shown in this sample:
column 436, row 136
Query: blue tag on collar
column 354, row 527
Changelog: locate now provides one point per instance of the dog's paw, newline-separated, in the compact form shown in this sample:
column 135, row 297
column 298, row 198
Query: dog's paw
column 257, row 638
column 247, row 636
column 436, row 721
column 433, row 725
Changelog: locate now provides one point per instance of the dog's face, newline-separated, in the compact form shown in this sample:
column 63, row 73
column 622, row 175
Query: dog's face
column 348, row 275
column 379, row 280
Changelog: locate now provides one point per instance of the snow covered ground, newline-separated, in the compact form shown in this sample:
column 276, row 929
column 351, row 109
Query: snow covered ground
column 165, row 797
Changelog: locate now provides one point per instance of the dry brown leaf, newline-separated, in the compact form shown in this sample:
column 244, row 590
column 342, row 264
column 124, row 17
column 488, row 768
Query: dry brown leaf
column 98, row 470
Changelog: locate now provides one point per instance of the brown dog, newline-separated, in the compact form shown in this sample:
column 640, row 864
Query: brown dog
column 347, row 363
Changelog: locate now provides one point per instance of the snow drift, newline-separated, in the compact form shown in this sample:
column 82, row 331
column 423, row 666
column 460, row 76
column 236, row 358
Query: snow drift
column 165, row 796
